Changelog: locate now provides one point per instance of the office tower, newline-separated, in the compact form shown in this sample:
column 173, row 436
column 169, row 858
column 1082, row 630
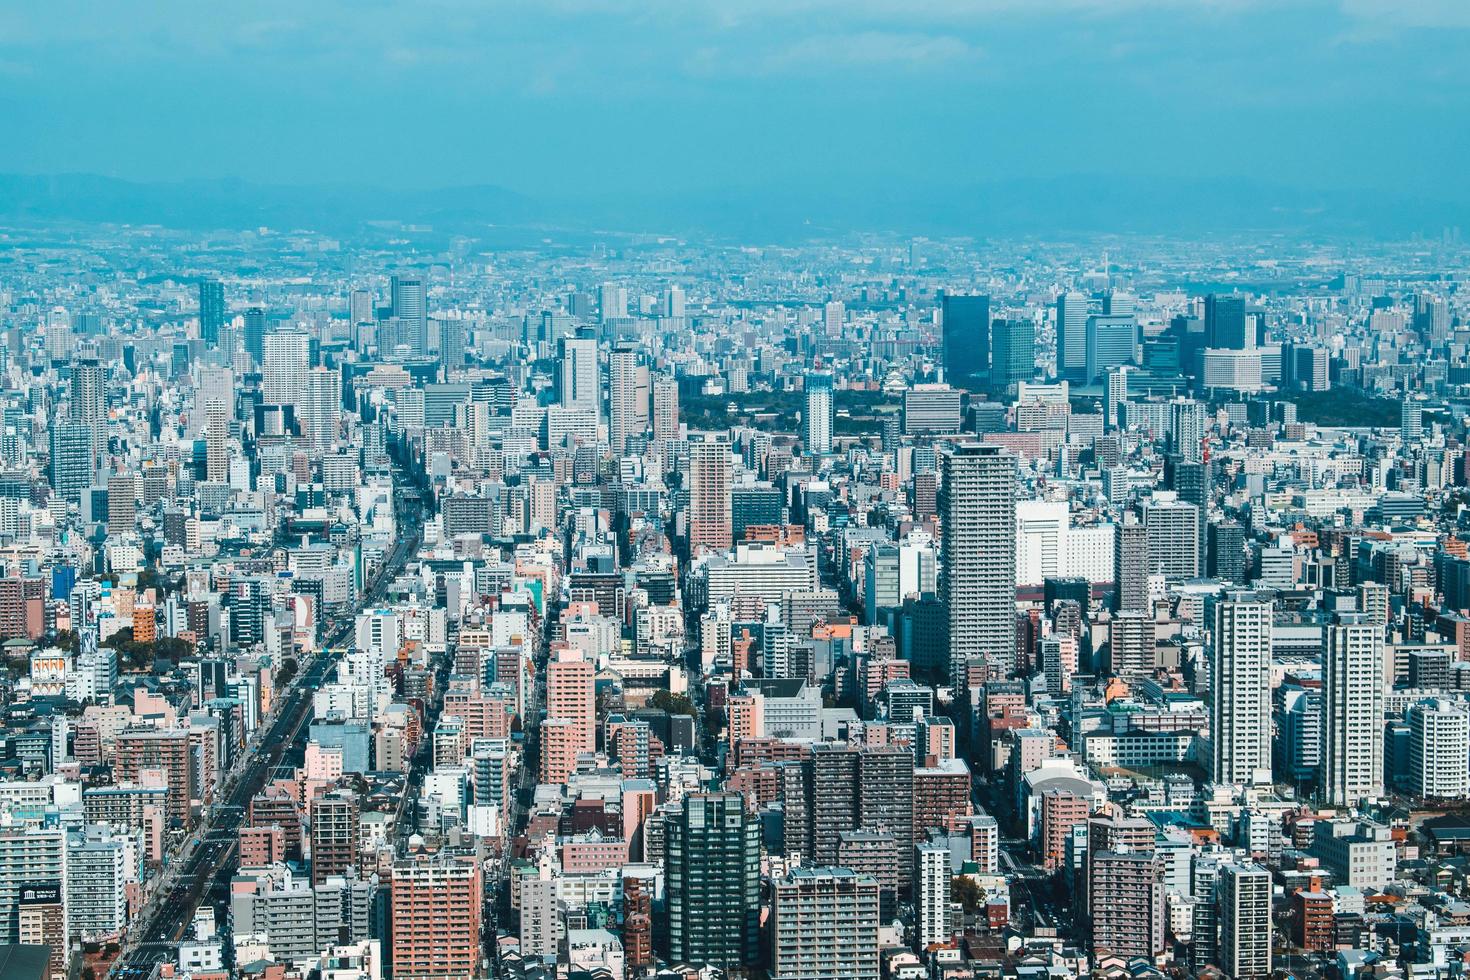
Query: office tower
column 286, row 359
column 255, row 334
column 577, row 381
column 1240, row 674
column 710, row 472
column 1013, row 352
column 1439, row 744
column 29, row 858
column 216, row 441
column 1226, row 551
column 931, row 894
column 211, row 311
column 966, row 340
column 1226, row 325
column 833, row 313
column 320, row 411
column 930, row 409
column 1130, row 561
column 817, row 419
column 411, row 309
column 674, row 301
column 1126, row 900
column 435, row 927
column 71, row 457
column 665, row 408
column 978, row 550
column 89, row 400
column 1190, row 479
column 1243, row 900
column 712, row 890
column 1112, row 341
column 614, row 302
column 824, row 925
column 1411, row 418
column 1353, row 704
column 1173, row 529
column 360, row 307
column 628, row 396
column 335, row 833
column 1115, row 393
column 1072, row 336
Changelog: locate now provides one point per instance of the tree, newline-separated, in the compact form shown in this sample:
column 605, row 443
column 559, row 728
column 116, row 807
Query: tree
column 674, row 704
column 965, row 892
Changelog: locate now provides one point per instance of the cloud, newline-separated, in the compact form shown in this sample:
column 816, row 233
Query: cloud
column 868, row 49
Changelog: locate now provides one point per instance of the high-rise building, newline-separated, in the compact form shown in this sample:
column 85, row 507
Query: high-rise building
column 570, row 699
column 711, row 470
column 320, row 410
column 255, row 334
column 628, row 396
column 1013, row 352
column 335, row 831
column 411, row 310
column 89, row 400
column 824, row 925
column 931, row 894
column 1112, row 341
column 1126, row 902
column 1190, row 479
column 614, row 304
column 287, row 358
column 834, row 312
column 1115, row 393
column 29, row 857
column 1173, row 529
column 1240, row 674
column 211, row 311
column 1243, row 898
column 71, row 466
column 1353, row 705
column 216, row 441
column 1130, row 562
column 1072, row 314
column 122, row 503
column 1226, row 551
column 360, row 307
column 577, row 374
column 665, row 408
column 966, row 340
column 712, row 892
column 978, row 587
column 817, row 419
column 435, row 932
column 1439, row 743
column 1411, row 418
column 1226, row 324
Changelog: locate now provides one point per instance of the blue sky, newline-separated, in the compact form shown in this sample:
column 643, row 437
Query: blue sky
column 588, row 98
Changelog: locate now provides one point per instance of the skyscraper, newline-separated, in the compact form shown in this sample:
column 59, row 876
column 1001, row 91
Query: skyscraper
column 1112, row 341
column 89, row 400
column 1353, row 705
column 1240, row 673
column 577, row 373
column 966, row 340
column 321, row 407
column 1072, row 336
column 817, row 419
column 978, row 587
column 436, row 902
column 1130, row 562
column 255, row 334
column 1439, row 743
column 931, row 894
column 1013, row 354
column 211, row 311
column 710, row 472
column 614, row 304
column 665, row 407
column 1226, row 551
column 570, row 698
column 713, row 882
column 1126, row 900
column 627, row 396
column 1190, row 479
column 71, row 457
column 1226, row 324
column 216, row 441
column 286, row 359
column 411, row 310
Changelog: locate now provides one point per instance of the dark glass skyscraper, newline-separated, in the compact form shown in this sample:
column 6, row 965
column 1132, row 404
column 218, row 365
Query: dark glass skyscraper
column 714, row 873
column 1013, row 352
column 1225, row 322
column 966, row 340
column 255, row 334
column 211, row 310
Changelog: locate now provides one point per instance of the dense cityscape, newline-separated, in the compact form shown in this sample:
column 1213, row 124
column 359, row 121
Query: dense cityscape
column 889, row 609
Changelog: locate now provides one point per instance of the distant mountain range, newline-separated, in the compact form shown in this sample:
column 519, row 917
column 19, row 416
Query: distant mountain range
column 1043, row 207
